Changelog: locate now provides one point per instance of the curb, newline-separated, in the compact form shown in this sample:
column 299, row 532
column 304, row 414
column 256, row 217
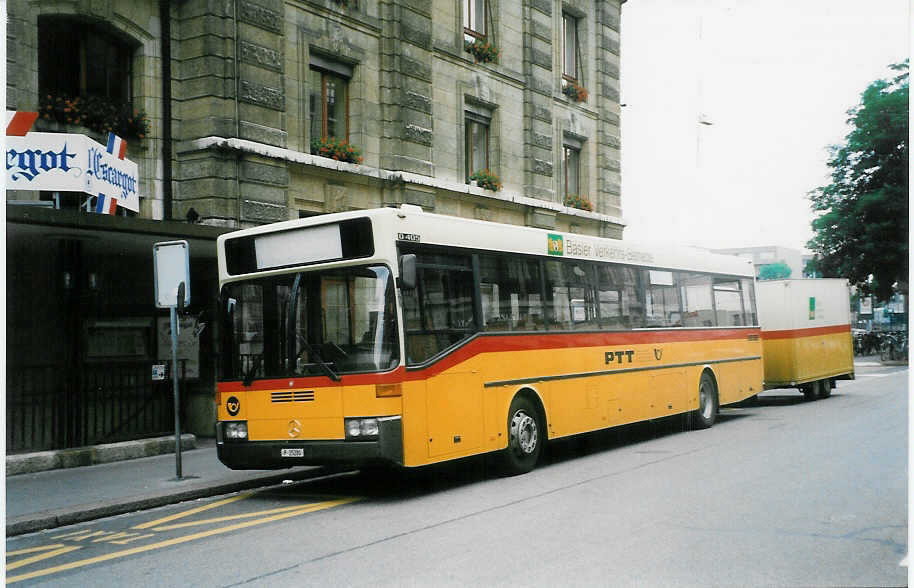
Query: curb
column 50, row 519
column 30, row 463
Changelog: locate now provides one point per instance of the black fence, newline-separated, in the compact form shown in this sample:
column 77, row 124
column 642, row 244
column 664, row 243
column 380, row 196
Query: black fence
column 49, row 408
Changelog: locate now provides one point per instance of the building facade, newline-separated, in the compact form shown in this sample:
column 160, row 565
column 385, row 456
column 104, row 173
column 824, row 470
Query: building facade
column 255, row 88
column 242, row 112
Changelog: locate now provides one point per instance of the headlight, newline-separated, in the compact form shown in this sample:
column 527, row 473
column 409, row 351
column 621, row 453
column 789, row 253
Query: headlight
column 365, row 428
column 370, row 427
column 353, row 428
column 236, row 430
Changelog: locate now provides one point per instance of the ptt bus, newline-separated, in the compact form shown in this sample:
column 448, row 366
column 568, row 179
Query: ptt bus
column 403, row 337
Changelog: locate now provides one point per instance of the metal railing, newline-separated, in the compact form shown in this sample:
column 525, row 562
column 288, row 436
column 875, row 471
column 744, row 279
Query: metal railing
column 51, row 408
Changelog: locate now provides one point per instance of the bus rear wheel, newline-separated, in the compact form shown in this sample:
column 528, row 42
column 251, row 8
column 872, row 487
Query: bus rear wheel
column 708, row 403
column 526, row 435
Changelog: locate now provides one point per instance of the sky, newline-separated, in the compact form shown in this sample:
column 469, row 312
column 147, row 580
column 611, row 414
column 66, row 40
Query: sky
column 775, row 78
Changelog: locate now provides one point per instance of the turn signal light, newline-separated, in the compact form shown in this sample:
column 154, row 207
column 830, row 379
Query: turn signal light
column 388, row 390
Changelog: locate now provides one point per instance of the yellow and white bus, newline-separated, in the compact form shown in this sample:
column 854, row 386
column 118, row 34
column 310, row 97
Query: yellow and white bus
column 399, row 336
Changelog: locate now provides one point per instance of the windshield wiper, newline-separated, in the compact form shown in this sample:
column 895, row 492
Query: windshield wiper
column 249, row 375
column 320, row 361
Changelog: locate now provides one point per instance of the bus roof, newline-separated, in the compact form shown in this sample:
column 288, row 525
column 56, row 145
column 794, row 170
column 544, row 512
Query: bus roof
column 411, row 224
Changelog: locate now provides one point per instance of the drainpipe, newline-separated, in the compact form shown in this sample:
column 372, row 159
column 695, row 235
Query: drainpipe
column 167, row 196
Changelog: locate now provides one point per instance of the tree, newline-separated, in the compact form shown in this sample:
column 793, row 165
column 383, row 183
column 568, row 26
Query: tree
column 861, row 232
column 774, row 271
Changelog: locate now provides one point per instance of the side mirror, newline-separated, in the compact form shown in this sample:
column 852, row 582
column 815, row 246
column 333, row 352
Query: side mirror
column 407, row 279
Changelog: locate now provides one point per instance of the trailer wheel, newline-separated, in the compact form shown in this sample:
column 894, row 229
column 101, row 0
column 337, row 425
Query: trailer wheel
column 817, row 389
column 824, row 388
column 810, row 390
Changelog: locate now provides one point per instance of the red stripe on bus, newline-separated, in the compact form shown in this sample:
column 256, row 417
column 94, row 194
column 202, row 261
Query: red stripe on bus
column 498, row 343
column 810, row 332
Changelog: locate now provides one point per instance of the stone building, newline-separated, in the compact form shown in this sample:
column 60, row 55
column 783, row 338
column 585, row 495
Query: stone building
column 230, row 108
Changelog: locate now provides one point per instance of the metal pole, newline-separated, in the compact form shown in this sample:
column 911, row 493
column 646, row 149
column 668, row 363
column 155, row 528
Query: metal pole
column 174, row 379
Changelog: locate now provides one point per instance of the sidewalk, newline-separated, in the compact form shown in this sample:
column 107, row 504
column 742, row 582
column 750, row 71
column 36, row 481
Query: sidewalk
column 58, row 497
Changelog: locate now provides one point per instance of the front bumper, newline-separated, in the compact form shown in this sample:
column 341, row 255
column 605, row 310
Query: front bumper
column 267, row 455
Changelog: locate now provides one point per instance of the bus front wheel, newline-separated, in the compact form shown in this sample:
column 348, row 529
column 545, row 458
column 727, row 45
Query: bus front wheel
column 526, row 435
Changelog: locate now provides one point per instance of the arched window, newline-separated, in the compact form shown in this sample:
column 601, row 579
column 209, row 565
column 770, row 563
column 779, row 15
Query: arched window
column 84, row 78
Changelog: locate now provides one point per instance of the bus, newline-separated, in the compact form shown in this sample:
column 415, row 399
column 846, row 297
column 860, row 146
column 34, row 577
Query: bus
column 398, row 336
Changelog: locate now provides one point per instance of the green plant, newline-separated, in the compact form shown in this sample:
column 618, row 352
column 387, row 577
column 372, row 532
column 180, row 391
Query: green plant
column 340, row 150
column 96, row 113
column 483, row 51
column 578, row 201
column 574, row 91
column 486, row 180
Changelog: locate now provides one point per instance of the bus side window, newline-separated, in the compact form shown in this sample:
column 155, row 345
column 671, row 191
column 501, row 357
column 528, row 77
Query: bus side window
column 618, row 297
column 748, row 287
column 439, row 311
column 696, row 300
column 510, row 293
column 569, row 295
column 661, row 299
column 728, row 301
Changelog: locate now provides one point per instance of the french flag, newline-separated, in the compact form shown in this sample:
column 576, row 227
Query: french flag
column 117, row 146
column 18, row 124
column 105, row 204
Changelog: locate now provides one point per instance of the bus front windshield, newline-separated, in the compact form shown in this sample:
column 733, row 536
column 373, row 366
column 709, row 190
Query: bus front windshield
column 311, row 323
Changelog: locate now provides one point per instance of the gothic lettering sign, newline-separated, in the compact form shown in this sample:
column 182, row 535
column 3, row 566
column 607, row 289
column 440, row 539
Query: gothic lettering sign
column 70, row 163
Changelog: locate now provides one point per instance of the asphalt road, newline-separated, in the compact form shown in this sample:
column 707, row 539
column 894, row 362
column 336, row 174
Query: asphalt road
column 785, row 493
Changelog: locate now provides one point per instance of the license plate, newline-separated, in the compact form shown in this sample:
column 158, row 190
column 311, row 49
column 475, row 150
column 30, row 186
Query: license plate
column 292, row 452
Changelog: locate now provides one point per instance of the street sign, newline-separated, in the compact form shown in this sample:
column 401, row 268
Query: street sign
column 172, row 268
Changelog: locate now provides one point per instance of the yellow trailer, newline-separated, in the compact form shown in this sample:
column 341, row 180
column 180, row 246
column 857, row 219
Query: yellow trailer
column 806, row 334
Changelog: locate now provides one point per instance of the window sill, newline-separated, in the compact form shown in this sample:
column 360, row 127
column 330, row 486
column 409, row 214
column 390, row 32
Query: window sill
column 367, row 171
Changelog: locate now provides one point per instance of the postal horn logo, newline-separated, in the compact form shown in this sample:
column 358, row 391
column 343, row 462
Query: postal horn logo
column 232, row 406
column 555, row 244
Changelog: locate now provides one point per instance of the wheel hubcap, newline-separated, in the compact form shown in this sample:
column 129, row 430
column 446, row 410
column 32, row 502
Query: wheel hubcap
column 707, row 404
column 523, row 431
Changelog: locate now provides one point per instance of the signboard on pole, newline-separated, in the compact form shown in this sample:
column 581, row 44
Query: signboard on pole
column 171, row 264
column 64, row 162
column 172, row 268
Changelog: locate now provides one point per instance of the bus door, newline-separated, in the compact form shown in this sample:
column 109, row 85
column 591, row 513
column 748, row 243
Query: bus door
column 455, row 412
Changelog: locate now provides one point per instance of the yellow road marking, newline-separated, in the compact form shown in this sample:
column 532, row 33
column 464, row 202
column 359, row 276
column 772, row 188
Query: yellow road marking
column 187, row 513
column 179, row 540
column 74, row 533
column 41, row 556
column 34, row 549
column 88, row 534
column 247, row 515
column 122, row 538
